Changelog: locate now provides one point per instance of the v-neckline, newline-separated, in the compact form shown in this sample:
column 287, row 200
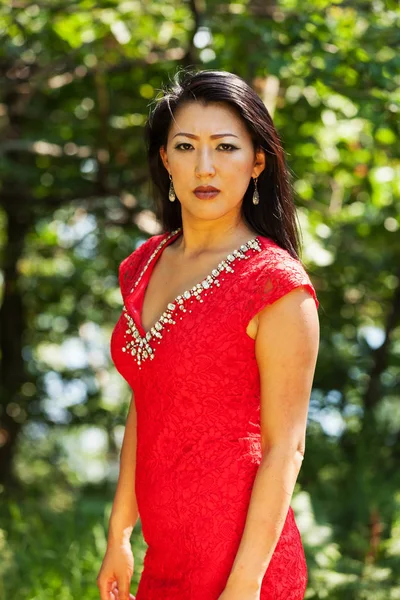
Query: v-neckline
column 136, row 297
column 142, row 285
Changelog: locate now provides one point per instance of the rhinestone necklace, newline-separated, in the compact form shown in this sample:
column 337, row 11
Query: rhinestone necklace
column 143, row 348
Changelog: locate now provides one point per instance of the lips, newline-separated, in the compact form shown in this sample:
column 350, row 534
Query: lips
column 206, row 191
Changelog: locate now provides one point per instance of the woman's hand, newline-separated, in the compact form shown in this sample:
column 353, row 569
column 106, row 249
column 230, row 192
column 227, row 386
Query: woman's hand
column 114, row 578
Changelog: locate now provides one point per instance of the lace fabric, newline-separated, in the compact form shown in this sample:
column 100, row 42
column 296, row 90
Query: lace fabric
column 271, row 277
column 199, row 438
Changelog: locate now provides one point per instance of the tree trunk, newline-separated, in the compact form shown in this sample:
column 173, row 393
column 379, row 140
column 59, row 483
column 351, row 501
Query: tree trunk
column 12, row 325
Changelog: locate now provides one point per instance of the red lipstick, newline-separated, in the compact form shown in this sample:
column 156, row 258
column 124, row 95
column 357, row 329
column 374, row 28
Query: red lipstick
column 206, row 192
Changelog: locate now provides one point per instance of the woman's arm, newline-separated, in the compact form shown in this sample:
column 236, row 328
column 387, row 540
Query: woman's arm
column 124, row 513
column 286, row 350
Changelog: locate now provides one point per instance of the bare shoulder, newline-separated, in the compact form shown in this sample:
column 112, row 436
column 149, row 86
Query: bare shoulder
column 289, row 325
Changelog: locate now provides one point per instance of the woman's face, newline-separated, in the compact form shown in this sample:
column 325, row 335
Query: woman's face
column 210, row 146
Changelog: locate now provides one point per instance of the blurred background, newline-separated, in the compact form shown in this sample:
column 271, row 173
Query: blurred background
column 77, row 82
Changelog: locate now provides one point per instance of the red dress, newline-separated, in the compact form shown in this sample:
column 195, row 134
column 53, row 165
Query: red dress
column 197, row 393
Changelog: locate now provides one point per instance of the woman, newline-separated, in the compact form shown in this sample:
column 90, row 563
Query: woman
column 218, row 339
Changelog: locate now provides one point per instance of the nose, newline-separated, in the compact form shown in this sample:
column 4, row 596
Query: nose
column 205, row 163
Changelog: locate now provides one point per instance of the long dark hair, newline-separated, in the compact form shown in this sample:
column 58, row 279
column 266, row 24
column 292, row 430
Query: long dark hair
column 275, row 215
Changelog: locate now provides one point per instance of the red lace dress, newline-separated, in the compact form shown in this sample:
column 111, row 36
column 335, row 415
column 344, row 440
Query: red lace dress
column 197, row 392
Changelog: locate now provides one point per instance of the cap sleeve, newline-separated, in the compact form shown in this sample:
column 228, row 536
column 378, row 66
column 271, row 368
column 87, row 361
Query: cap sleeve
column 272, row 276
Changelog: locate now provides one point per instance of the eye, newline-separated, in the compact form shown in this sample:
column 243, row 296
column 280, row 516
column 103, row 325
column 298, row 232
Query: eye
column 178, row 146
column 229, row 147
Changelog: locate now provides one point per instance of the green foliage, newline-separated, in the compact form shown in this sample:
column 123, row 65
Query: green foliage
column 54, row 548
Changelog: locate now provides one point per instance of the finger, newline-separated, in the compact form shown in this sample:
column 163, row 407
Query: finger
column 104, row 590
column 123, row 589
column 107, row 590
column 110, row 595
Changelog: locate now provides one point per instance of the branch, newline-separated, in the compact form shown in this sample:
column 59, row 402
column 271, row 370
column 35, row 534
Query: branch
column 20, row 197
column 46, row 148
column 62, row 7
column 81, row 72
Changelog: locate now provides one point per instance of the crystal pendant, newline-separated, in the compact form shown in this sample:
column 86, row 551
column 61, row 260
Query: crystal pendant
column 256, row 196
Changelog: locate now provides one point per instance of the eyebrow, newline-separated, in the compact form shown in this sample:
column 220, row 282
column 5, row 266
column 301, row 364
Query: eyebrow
column 215, row 136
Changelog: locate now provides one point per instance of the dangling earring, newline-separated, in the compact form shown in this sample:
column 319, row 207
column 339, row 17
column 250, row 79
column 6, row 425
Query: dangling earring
column 256, row 196
column 171, row 193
